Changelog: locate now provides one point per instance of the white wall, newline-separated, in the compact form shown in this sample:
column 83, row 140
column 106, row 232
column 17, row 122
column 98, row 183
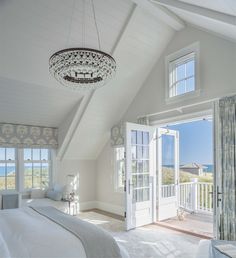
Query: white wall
column 85, row 171
column 217, row 73
column 217, row 78
column 106, row 196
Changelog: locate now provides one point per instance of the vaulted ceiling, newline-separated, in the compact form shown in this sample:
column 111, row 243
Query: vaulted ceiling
column 135, row 32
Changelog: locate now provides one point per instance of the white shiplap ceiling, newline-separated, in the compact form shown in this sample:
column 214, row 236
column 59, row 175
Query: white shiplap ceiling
column 223, row 6
column 217, row 16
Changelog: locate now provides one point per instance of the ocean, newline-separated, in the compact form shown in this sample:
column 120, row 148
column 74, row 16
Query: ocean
column 209, row 168
column 10, row 170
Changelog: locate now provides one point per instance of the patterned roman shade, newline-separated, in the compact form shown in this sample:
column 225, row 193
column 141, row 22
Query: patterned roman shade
column 25, row 136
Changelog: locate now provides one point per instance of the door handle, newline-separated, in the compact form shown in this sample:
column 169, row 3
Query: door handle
column 217, row 196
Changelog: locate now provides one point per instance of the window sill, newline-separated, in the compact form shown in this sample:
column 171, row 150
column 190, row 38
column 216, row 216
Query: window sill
column 183, row 97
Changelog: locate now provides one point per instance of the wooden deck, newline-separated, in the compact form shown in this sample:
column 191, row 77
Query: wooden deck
column 198, row 224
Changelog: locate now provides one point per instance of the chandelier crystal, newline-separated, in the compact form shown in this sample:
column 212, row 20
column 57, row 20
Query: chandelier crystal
column 82, row 68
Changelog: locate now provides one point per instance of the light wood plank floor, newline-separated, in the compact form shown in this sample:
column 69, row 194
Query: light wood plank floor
column 146, row 242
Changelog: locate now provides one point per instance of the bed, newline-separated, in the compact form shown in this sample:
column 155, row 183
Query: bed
column 216, row 249
column 47, row 232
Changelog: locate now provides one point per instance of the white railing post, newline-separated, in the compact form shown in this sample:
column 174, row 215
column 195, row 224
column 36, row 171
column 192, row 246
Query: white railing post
column 194, row 194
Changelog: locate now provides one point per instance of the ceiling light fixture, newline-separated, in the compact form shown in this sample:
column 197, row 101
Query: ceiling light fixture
column 83, row 68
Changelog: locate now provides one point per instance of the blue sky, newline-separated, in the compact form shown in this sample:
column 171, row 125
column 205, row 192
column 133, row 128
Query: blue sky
column 196, row 142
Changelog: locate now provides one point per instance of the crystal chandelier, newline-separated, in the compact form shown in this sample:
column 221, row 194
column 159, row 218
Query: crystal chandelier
column 82, row 68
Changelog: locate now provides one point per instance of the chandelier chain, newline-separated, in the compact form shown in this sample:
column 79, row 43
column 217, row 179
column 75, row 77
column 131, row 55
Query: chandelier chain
column 70, row 23
column 83, row 21
column 96, row 25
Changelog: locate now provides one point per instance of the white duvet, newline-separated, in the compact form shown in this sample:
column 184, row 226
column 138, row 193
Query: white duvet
column 24, row 233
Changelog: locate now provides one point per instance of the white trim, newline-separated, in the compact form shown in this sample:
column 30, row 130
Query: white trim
column 199, row 10
column 117, row 189
column 193, row 48
column 162, row 13
column 82, row 206
column 116, row 209
column 183, row 118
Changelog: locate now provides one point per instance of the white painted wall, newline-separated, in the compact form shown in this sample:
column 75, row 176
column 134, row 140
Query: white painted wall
column 85, row 171
column 106, row 196
column 218, row 78
column 217, row 73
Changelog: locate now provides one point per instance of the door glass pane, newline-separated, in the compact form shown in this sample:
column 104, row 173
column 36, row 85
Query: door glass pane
column 145, row 138
column 140, row 166
column 133, row 152
column 146, row 152
column 139, row 137
column 139, row 152
column 168, row 166
column 134, row 137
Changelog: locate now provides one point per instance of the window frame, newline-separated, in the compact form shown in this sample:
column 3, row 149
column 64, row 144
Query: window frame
column 10, row 161
column 19, row 164
column 119, row 189
column 41, row 162
column 181, row 56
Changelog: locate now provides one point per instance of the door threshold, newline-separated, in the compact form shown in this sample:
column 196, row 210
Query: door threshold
column 165, row 225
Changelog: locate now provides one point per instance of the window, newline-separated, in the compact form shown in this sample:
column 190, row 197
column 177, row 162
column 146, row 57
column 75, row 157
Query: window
column 119, row 168
column 182, row 73
column 7, row 169
column 36, row 168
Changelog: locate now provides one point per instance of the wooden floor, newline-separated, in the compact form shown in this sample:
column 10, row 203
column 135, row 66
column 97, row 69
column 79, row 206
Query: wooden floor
column 198, row 224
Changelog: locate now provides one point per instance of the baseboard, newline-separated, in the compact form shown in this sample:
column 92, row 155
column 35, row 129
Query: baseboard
column 86, row 205
column 116, row 209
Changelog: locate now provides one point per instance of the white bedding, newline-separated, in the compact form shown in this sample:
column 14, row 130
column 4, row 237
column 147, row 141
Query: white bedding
column 25, row 233
column 221, row 247
column 204, row 249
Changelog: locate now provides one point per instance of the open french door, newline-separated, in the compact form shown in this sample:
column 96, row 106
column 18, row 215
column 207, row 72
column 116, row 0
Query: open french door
column 140, row 175
column 167, row 173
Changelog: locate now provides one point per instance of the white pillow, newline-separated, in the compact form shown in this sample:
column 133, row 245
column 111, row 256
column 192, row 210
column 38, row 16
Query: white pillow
column 37, row 194
column 54, row 195
column 58, row 188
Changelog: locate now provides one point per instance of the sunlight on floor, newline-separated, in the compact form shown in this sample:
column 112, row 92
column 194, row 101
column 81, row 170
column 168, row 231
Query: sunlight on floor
column 96, row 222
column 150, row 241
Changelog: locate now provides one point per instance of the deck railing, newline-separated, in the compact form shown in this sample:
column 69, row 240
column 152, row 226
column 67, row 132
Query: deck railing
column 192, row 196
